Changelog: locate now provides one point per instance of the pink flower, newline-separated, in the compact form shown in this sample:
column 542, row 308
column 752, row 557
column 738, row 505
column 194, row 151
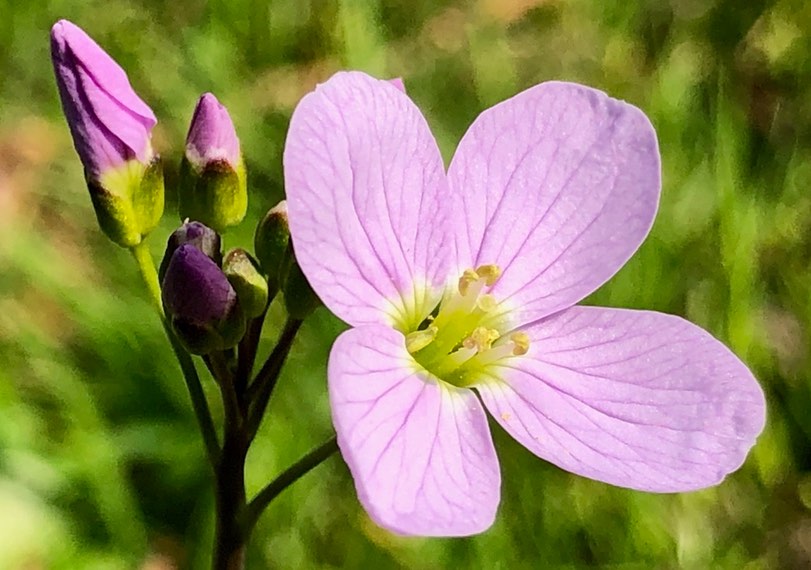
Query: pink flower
column 460, row 288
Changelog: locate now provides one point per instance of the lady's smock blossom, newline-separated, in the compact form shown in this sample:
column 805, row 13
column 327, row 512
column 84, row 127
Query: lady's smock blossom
column 460, row 287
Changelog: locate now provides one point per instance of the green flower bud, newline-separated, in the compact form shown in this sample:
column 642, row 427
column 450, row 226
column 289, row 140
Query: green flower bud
column 299, row 298
column 243, row 273
column 271, row 243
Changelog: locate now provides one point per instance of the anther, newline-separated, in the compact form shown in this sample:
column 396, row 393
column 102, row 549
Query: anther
column 520, row 342
column 481, row 339
column 468, row 278
column 490, row 273
column 418, row 340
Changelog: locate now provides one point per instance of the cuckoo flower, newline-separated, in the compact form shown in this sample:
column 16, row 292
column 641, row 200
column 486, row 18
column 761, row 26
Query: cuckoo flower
column 461, row 289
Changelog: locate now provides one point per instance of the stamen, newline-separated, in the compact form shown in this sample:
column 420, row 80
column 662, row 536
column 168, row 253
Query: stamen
column 520, row 341
column 481, row 339
column 468, row 278
column 418, row 340
column 490, row 273
column 459, row 341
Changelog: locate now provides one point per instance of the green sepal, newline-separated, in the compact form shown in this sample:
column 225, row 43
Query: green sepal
column 128, row 200
column 148, row 199
column 299, row 298
column 271, row 244
column 243, row 273
column 115, row 216
column 202, row 339
column 217, row 195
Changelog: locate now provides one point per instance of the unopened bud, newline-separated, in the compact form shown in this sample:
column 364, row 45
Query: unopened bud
column 200, row 303
column 271, row 244
column 299, row 298
column 213, row 185
column 112, row 130
column 200, row 236
column 251, row 287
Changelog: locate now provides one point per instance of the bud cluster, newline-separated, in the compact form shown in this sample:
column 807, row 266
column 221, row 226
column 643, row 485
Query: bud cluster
column 209, row 299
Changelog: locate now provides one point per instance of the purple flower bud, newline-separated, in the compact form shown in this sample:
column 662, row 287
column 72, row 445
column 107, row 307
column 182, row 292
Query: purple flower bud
column 110, row 124
column 200, row 302
column 200, row 236
column 213, row 186
column 211, row 135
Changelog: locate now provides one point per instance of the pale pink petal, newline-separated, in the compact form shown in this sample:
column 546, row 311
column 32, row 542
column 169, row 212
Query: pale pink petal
column 419, row 450
column 398, row 83
column 367, row 199
column 559, row 185
column 633, row 398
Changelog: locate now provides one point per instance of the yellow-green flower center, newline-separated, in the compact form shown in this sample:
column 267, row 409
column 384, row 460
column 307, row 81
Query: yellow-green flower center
column 460, row 341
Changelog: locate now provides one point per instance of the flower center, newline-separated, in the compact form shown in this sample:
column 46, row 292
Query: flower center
column 457, row 343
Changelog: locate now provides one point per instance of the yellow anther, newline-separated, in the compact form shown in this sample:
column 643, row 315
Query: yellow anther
column 418, row 340
column 486, row 303
column 481, row 339
column 468, row 278
column 520, row 342
column 490, row 273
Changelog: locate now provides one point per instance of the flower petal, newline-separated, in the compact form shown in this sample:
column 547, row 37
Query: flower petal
column 419, row 450
column 633, row 398
column 559, row 185
column 366, row 193
column 98, row 96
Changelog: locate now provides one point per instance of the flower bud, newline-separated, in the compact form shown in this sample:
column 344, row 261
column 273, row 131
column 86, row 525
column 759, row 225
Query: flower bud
column 243, row 273
column 111, row 129
column 203, row 238
column 299, row 298
column 271, row 244
column 200, row 303
column 213, row 186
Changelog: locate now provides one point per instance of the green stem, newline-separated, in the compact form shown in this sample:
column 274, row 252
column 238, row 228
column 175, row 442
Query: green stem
column 248, row 348
column 292, row 474
column 149, row 274
column 230, row 540
column 262, row 387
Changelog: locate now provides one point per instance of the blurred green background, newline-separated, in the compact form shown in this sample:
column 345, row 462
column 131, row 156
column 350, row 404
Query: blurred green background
column 101, row 466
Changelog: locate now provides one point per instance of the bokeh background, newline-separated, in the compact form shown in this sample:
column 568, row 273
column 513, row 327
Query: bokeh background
column 101, row 466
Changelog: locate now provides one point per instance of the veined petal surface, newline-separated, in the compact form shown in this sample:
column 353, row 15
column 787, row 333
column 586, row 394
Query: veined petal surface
column 634, row 398
column 419, row 450
column 558, row 186
column 368, row 201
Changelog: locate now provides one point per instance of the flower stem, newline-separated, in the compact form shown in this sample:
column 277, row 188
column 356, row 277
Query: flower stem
column 149, row 274
column 292, row 474
column 230, row 538
column 248, row 347
column 262, row 387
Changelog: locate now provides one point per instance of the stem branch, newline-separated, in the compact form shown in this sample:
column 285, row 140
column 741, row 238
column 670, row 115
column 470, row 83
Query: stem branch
column 262, row 387
column 292, row 474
